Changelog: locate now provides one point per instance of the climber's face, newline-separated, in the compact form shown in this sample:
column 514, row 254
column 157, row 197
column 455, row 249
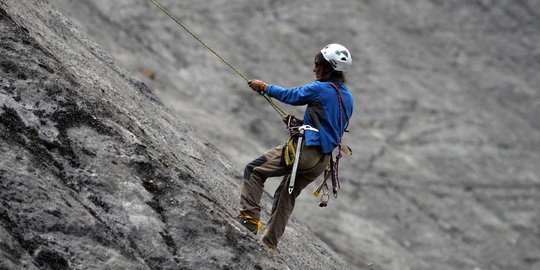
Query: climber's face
column 319, row 70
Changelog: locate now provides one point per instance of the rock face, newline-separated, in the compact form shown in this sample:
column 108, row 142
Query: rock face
column 446, row 132
column 97, row 174
column 445, row 135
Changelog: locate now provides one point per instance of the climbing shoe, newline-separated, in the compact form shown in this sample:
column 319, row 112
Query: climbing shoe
column 269, row 248
column 252, row 224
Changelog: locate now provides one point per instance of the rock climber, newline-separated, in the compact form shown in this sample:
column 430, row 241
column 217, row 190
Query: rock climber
column 329, row 108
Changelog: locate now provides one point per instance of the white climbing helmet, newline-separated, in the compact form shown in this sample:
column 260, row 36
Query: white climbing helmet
column 339, row 57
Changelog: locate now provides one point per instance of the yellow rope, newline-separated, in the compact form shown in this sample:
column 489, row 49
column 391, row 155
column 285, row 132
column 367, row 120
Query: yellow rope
column 289, row 152
column 274, row 105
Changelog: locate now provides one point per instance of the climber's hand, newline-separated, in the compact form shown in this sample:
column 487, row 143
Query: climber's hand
column 258, row 86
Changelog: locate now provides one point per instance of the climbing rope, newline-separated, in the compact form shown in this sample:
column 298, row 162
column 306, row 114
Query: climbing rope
column 281, row 113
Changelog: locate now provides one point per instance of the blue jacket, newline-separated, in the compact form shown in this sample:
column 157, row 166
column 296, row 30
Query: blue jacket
column 322, row 103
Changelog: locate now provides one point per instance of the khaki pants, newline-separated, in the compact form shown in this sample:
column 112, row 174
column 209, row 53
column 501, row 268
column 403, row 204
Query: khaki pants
column 311, row 164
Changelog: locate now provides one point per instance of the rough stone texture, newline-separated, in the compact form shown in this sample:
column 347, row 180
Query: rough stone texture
column 97, row 174
column 446, row 133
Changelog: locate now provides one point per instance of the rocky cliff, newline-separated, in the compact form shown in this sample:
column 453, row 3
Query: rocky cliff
column 445, row 135
column 95, row 173
column 446, row 132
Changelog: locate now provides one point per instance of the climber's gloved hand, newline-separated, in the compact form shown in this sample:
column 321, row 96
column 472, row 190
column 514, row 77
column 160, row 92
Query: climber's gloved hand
column 258, row 86
column 292, row 121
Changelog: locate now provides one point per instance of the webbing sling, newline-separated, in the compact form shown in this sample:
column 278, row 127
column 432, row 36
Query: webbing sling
column 335, row 167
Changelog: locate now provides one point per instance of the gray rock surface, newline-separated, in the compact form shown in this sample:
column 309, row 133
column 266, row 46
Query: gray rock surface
column 446, row 132
column 97, row 174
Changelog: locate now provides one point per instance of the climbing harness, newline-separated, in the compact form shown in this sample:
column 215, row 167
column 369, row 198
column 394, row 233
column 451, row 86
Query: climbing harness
column 301, row 130
column 288, row 150
column 281, row 113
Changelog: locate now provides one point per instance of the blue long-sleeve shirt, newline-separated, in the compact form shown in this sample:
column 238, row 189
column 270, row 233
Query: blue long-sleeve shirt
column 322, row 103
